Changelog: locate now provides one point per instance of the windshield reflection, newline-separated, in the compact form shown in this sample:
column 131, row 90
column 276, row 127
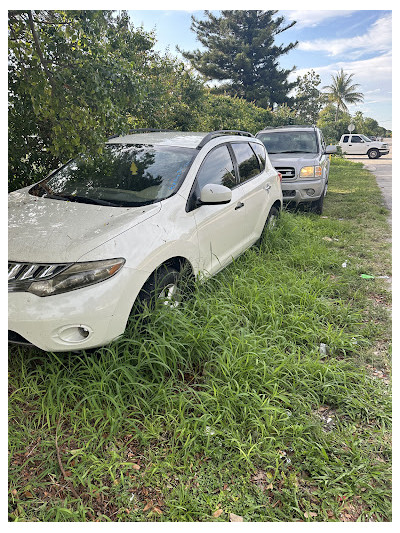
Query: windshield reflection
column 290, row 142
column 122, row 175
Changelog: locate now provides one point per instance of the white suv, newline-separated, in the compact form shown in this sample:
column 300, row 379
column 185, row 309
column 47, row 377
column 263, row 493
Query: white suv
column 103, row 231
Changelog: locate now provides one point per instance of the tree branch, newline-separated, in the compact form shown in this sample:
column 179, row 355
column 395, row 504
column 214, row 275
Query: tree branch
column 39, row 51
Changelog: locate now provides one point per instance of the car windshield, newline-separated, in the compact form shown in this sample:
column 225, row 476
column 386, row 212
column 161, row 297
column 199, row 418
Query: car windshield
column 366, row 139
column 123, row 175
column 282, row 142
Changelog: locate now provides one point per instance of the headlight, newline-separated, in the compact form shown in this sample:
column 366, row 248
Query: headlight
column 76, row 276
column 311, row 172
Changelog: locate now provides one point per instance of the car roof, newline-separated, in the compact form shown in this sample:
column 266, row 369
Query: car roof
column 289, row 127
column 185, row 139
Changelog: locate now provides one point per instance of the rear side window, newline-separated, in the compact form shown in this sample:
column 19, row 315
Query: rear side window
column 356, row 139
column 247, row 161
column 217, row 168
column 260, row 152
column 346, row 139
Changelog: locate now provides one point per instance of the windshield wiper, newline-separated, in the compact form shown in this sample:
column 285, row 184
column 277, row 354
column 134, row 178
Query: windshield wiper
column 81, row 199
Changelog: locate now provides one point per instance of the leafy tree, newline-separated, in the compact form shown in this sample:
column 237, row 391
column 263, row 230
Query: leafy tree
column 241, row 54
column 343, row 91
column 75, row 77
column 175, row 96
column 308, row 101
column 284, row 115
column 226, row 112
column 367, row 125
column 334, row 129
column 333, row 124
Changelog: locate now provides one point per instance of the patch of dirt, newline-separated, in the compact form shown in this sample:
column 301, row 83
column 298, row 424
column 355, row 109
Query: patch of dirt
column 327, row 415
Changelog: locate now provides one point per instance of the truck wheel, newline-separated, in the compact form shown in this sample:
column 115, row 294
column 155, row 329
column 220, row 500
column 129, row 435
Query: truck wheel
column 373, row 153
column 318, row 205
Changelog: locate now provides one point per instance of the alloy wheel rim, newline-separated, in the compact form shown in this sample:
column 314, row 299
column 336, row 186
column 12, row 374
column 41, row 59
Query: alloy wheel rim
column 170, row 295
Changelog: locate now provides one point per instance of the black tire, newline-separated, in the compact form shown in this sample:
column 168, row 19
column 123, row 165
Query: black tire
column 318, row 205
column 162, row 288
column 268, row 226
column 373, row 153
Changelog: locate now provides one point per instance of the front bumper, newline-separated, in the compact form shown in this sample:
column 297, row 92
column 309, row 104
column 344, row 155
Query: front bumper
column 297, row 191
column 84, row 318
column 383, row 152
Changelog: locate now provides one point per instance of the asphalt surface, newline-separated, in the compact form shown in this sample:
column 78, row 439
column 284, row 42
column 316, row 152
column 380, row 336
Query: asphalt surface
column 382, row 169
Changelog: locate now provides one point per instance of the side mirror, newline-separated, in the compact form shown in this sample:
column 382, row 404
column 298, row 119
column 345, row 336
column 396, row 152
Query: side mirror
column 331, row 149
column 215, row 194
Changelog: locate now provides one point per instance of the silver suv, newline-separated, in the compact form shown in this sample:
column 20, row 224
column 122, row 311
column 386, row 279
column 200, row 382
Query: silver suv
column 300, row 154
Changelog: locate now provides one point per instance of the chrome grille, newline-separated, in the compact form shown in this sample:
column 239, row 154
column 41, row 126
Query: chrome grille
column 287, row 172
column 21, row 275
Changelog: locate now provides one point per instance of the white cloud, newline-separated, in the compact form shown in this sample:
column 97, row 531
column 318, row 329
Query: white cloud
column 378, row 38
column 375, row 78
column 306, row 18
column 376, row 70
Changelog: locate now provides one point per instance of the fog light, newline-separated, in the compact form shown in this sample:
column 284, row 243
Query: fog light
column 310, row 192
column 74, row 334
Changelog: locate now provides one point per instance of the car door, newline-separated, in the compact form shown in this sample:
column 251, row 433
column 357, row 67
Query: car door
column 220, row 227
column 356, row 145
column 345, row 144
column 256, row 185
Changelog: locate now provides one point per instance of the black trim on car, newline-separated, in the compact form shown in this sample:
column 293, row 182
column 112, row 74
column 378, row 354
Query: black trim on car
column 16, row 338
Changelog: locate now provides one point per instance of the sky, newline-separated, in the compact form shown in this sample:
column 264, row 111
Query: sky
column 359, row 41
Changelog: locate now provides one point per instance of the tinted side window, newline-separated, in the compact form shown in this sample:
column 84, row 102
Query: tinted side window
column 260, row 151
column 217, row 168
column 247, row 161
column 346, row 139
column 356, row 139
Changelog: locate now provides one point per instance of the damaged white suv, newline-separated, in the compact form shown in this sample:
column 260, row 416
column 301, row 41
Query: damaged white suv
column 103, row 231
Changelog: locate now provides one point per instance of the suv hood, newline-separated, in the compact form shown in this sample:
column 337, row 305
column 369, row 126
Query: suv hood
column 42, row 230
column 294, row 159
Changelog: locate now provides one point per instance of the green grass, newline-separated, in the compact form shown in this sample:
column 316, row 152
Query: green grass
column 225, row 402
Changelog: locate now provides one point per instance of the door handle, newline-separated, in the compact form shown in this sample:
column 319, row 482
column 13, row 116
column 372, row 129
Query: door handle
column 239, row 205
column 267, row 188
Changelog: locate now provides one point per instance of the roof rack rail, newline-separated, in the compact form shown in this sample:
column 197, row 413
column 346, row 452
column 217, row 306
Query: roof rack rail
column 148, row 130
column 220, row 133
column 290, row 126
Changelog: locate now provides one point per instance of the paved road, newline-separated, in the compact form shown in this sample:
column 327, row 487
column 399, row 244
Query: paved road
column 382, row 168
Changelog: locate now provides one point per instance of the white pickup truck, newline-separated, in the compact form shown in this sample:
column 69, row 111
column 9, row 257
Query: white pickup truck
column 358, row 144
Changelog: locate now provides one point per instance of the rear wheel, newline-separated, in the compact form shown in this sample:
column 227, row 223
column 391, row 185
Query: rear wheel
column 269, row 225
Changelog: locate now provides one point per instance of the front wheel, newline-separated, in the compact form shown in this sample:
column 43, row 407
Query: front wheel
column 318, row 205
column 373, row 153
column 162, row 288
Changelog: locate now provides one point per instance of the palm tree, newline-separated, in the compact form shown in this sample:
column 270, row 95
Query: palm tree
column 343, row 91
